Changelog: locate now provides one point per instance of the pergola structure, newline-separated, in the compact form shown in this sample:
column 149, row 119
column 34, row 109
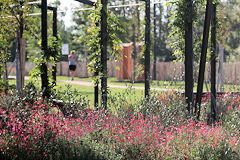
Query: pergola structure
column 44, row 69
column 20, row 56
column 103, row 44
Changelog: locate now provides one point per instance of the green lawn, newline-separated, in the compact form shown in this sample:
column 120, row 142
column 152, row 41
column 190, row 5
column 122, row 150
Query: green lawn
column 88, row 91
column 154, row 84
column 114, row 81
column 132, row 94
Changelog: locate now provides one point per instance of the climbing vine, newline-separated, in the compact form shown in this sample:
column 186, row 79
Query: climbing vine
column 179, row 15
column 50, row 57
column 93, row 38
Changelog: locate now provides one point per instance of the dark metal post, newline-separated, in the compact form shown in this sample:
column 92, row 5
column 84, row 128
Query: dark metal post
column 17, row 63
column 203, row 57
column 155, row 43
column 147, row 49
column 160, row 24
column 103, row 43
column 44, row 76
column 213, row 64
column 55, row 35
column 96, row 90
column 134, row 56
column 18, row 51
column 189, row 56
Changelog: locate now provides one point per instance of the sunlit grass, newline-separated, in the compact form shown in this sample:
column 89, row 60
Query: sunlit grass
column 88, row 91
column 179, row 85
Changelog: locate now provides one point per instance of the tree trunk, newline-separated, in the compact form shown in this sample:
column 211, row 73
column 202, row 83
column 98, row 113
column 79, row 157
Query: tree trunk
column 147, row 49
column 104, row 38
column 213, row 65
column 189, row 58
column 44, row 75
column 203, row 57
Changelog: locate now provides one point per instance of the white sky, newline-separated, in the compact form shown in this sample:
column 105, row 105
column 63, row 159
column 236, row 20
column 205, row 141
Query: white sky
column 67, row 5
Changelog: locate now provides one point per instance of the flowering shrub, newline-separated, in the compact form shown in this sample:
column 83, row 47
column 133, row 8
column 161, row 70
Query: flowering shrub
column 159, row 129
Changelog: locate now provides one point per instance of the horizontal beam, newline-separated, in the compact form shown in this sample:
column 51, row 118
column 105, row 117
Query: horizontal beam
column 48, row 7
column 86, row 2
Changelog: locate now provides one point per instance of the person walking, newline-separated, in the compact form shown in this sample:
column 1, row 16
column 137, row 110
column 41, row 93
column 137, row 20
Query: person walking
column 72, row 63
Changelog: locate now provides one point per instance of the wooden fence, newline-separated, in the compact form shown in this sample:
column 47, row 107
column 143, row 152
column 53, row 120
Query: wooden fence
column 167, row 71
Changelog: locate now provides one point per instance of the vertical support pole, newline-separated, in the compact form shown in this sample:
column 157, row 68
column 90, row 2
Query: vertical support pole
column 22, row 61
column 44, row 75
column 19, row 83
column 203, row 57
column 220, row 68
column 124, row 11
column 213, row 64
column 155, row 43
column 138, row 20
column 147, row 49
column 96, row 90
column 189, row 56
column 96, row 83
column 54, row 72
column 103, row 44
column 134, row 52
column 21, row 51
column 17, row 62
column 160, row 24
column 5, row 76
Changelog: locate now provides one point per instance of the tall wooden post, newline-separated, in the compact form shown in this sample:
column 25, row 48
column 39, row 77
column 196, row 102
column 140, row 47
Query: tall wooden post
column 44, row 75
column 147, row 49
column 103, row 43
column 203, row 57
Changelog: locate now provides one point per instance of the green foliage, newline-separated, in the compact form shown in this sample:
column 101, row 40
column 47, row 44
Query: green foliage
column 181, row 14
column 10, row 19
column 50, row 57
column 93, row 38
column 71, row 100
column 5, row 86
column 157, row 129
column 228, row 28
